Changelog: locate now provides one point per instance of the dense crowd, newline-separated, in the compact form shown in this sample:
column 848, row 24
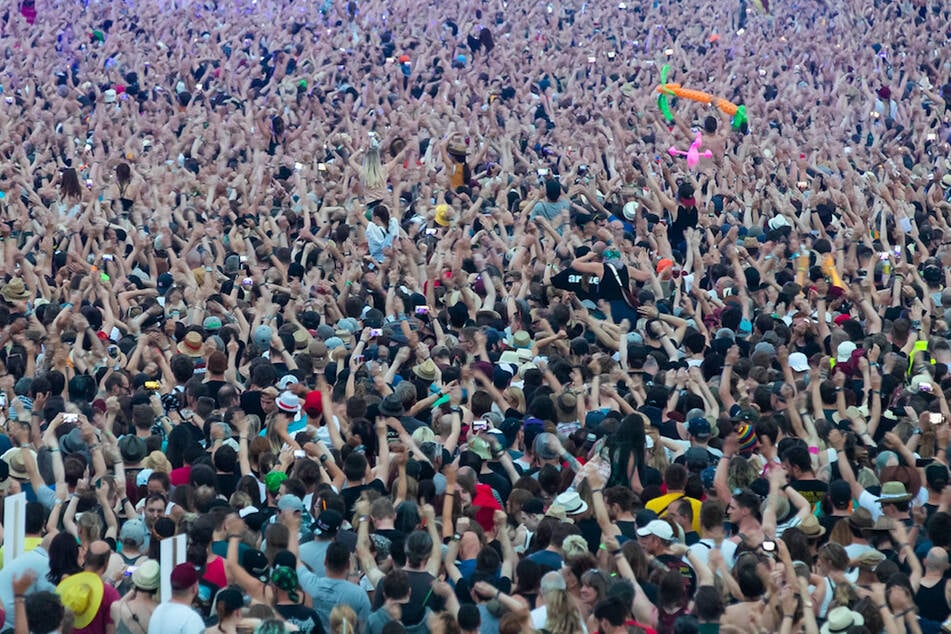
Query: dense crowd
column 411, row 317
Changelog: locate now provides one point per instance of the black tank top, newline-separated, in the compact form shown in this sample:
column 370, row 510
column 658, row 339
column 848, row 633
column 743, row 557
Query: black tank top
column 931, row 602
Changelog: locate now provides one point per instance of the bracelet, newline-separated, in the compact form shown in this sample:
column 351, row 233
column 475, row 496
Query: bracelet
column 497, row 593
column 19, row 596
column 593, row 491
column 784, row 487
column 905, row 611
column 95, row 447
column 54, row 450
column 234, row 536
column 242, row 437
column 363, row 518
column 616, row 552
column 787, row 616
column 456, row 537
column 883, row 606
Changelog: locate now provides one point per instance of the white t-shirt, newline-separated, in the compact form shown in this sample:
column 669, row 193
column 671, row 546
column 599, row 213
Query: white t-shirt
column 175, row 618
column 540, row 619
column 701, row 551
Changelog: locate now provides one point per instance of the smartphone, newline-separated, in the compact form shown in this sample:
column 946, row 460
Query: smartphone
column 375, row 332
column 431, row 232
column 479, row 425
column 768, row 546
column 543, row 171
column 298, row 167
column 299, row 453
column 422, row 310
column 592, row 59
column 358, row 358
column 247, row 281
column 243, row 259
column 152, row 386
column 935, row 419
column 3, row 400
column 321, row 167
column 129, row 570
column 669, row 52
column 70, row 418
column 932, row 137
column 113, row 351
column 925, row 387
column 107, row 257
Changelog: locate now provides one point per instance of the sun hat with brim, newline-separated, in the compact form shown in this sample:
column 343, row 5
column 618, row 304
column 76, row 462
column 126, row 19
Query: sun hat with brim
column 14, row 459
column 572, row 503
column 81, row 594
column 893, row 492
column 841, row 619
column 147, row 576
column 861, row 519
column 426, row 370
column 869, row 560
column 191, row 345
column 521, row 339
column 15, row 291
column 479, row 447
column 391, row 405
column 657, row 528
column 132, row 448
column 288, row 403
column 556, row 511
column 442, row 215
column 811, row 528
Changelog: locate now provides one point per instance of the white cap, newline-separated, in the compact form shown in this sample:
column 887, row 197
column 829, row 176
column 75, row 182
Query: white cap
column 798, row 362
column 657, row 528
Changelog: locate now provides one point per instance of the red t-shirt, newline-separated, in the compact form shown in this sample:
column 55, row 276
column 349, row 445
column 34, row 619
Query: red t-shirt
column 180, row 476
column 103, row 617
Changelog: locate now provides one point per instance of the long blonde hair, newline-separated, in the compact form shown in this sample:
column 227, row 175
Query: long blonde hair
column 564, row 616
column 372, row 172
column 343, row 620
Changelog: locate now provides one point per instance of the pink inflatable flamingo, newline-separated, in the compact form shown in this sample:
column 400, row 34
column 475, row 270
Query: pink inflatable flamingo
column 693, row 154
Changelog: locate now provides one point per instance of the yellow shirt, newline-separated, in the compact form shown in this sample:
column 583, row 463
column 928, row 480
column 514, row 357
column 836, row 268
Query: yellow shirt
column 662, row 504
column 29, row 543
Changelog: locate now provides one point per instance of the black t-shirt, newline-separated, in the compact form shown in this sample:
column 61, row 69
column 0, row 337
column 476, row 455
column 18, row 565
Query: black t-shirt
column 627, row 528
column 812, row 490
column 251, row 403
column 211, row 390
column 305, row 618
column 227, row 483
column 500, row 485
column 463, row 588
column 421, row 597
column 583, row 285
column 350, row 495
column 591, row 532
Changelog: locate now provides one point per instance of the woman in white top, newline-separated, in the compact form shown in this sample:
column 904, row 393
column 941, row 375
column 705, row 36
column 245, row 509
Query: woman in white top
column 381, row 231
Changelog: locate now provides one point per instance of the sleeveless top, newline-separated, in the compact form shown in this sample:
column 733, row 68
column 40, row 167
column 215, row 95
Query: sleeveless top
column 931, row 602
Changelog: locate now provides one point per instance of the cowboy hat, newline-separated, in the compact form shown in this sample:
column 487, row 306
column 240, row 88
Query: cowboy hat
column 15, row 290
column 426, row 370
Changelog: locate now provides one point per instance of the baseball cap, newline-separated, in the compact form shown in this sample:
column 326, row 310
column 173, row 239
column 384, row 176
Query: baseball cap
column 286, row 381
column 699, row 427
column 134, row 531
column 183, row 576
column 533, row 506
column 211, row 322
column 657, row 528
column 328, row 522
column 840, row 492
column 262, row 336
column 798, row 362
column 290, row 503
column 542, row 448
column 844, row 351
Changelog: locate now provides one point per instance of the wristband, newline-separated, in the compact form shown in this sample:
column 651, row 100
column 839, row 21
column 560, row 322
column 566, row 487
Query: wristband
column 234, row 536
column 814, row 451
